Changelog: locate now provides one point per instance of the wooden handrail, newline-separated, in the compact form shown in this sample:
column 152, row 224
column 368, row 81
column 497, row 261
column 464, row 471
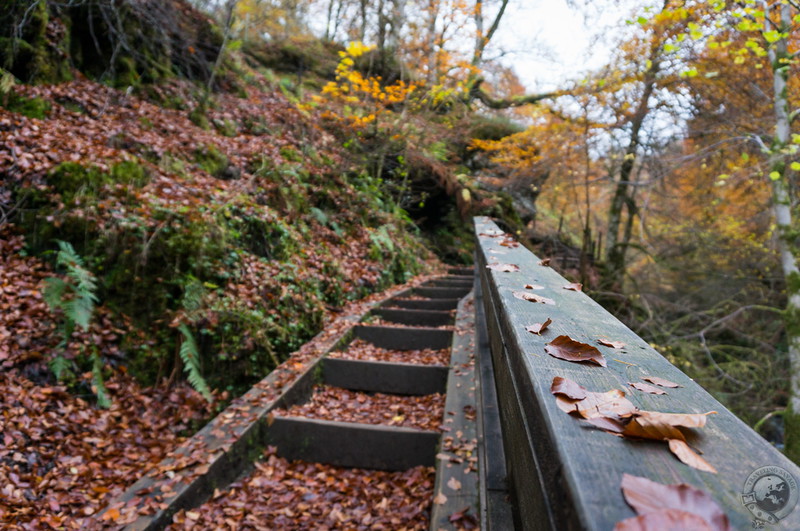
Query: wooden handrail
column 562, row 472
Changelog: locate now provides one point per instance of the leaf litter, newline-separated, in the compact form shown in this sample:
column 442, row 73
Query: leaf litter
column 615, row 414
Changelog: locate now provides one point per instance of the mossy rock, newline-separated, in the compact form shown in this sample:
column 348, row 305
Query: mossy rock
column 493, row 127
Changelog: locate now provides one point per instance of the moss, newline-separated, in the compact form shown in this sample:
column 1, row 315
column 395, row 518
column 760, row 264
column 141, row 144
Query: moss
column 290, row 154
column 226, row 127
column 71, row 179
column 493, row 127
column 198, row 117
column 129, row 172
column 30, row 107
column 210, row 159
column 791, row 424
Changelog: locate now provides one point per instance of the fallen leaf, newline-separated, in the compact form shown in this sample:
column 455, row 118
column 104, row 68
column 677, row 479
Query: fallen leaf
column 609, row 404
column 612, row 344
column 566, row 348
column 664, row 520
column 464, row 519
column 686, row 420
column 689, row 457
column 567, row 388
column 646, row 496
column 524, row 295
column 647, row 388
column 573, row 286
column 454, row 484
column 111, row 514
column 538, row 328
column 533, row 286
column 645, row 428
column 572, row 397
column 440, row 499
column 503, row 268
column 544, row 262
column 660, row 381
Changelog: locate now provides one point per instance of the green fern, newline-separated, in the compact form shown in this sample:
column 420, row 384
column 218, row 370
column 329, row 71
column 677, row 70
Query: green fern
column 76, row 297
column 60, row 367
column 98, row 384
column 190, row 355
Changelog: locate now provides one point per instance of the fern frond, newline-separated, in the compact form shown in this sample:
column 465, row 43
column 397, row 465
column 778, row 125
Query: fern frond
column 87, row 284
column 98, row 384
column 67, row 255
column 60, row 367
column 190, row 355
column 79, row 310
column 54, row 292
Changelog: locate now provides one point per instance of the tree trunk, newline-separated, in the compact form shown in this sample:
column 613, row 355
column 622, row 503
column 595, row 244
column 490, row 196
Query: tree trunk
column 362, row 34
column 397, row 22
column 616, row 249
column 433, row 14
column 481, row 39
column 782, row 208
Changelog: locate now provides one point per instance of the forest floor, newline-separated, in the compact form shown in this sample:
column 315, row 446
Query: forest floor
column 62, row 458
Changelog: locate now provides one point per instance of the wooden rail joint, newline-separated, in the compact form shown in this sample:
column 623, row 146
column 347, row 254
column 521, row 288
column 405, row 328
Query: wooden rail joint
column 563, row 472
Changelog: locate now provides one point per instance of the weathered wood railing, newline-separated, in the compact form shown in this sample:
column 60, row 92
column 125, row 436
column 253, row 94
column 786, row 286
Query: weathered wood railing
column 561, row 472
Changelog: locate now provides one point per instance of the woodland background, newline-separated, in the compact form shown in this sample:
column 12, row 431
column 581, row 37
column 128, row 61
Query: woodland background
column 191, row 190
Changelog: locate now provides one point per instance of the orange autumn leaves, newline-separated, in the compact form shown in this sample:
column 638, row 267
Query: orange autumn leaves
column 613, row 413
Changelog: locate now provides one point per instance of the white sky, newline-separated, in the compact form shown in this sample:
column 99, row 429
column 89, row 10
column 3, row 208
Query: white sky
column 548, row 42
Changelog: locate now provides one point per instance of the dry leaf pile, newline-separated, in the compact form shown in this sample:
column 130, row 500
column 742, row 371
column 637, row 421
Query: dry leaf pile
column 298, row 495
column 365, row 351
column 337, row 404
column 613, row 413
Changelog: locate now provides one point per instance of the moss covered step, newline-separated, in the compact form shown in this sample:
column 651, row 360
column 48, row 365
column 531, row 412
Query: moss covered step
column 461, row 271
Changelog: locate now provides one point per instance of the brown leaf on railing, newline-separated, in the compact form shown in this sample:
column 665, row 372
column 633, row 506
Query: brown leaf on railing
column 544, row 262
column 568, row 388
column 609, row 343
column 566, row 348
column 574, row 286
column 533, row 286
column 503, row 268
column 660, row 381
column 509, row 241
column 663, row 426
column 648, row 497
column 573, row 398
column 615, row 414
column 538, row 328
column 647, row 388
column 684, row 452
column 532, row 297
